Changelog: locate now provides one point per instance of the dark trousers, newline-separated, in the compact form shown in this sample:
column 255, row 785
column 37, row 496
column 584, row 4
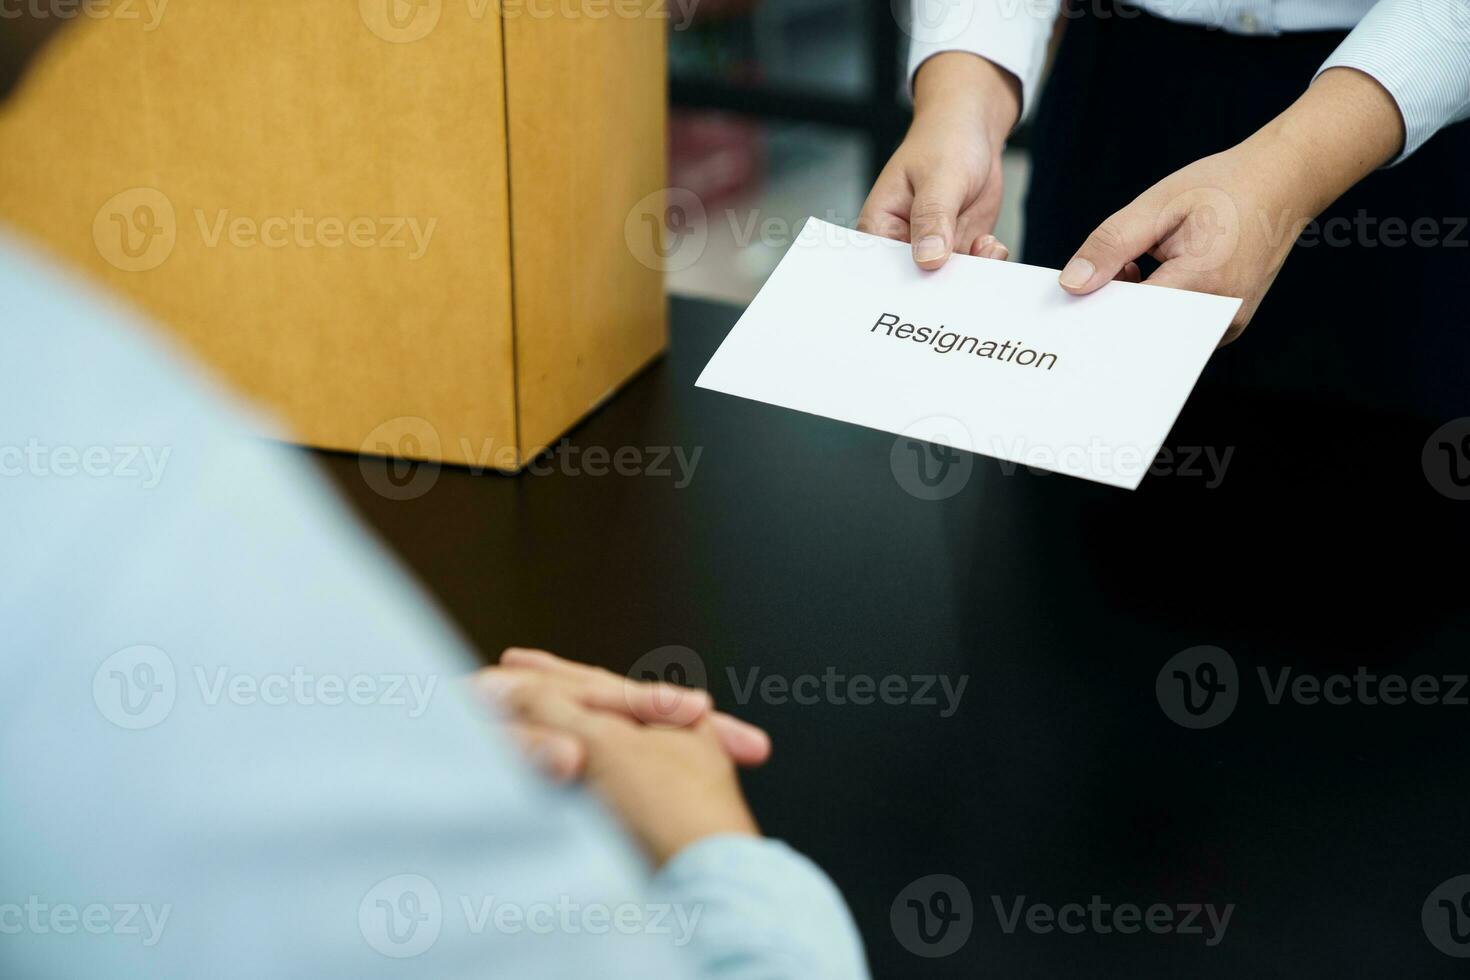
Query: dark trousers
column 1372, row 307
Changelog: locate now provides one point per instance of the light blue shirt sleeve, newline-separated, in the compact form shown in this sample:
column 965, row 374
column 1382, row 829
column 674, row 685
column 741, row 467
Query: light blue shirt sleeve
column 232, row 737
column 1419, row 50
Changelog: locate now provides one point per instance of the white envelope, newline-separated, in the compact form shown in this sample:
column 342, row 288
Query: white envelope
column 985, row 356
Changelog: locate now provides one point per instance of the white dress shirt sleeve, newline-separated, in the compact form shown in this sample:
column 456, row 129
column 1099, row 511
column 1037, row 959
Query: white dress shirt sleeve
column 1010, row 33
column 1420, row 51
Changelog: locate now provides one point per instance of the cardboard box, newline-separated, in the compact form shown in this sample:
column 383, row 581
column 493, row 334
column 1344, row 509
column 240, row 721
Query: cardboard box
column 402, row 225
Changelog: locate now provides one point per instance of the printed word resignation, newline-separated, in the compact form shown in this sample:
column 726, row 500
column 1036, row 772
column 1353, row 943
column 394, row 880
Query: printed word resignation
column 943, row 341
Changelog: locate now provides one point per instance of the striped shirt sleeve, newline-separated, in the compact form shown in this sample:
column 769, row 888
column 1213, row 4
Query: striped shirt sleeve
column 1419, row 50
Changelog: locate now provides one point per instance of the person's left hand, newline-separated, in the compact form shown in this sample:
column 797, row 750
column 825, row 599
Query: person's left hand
column 1222, row 225
column 656, row 703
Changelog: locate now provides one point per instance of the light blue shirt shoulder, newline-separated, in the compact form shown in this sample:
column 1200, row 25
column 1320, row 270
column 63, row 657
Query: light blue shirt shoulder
column 232, row 738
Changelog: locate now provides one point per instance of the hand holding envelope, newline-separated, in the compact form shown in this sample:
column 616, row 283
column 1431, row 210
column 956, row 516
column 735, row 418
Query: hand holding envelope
column 985, row 356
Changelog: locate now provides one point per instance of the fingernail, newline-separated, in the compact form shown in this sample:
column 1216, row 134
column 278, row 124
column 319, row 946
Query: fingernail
column 928, row 249
column 1077, row 273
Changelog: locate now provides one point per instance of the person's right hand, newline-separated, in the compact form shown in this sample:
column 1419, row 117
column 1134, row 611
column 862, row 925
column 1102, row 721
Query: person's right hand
column 941, row 191
column 670, row 787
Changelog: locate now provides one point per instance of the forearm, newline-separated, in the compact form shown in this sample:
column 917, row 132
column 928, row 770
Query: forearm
column 1342, row 128
column 959, row 86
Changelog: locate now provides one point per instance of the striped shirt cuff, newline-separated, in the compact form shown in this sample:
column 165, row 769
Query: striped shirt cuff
column 1419, row 50
column 1009, row 34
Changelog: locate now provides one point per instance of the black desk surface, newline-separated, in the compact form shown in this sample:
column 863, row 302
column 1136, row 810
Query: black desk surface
column 795, row 549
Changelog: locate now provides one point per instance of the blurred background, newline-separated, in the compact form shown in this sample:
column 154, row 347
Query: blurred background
column 783, row 110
